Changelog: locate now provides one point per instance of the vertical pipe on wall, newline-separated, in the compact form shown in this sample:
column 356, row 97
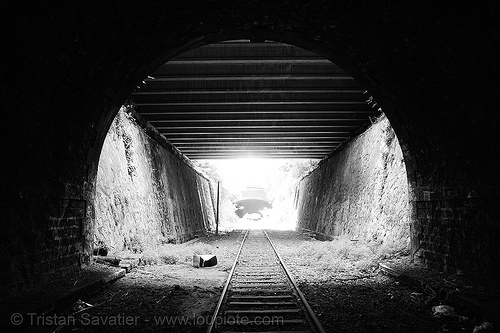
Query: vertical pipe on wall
column 217, row 217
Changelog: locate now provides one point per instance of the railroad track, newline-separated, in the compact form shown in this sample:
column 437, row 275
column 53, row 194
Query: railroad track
column 260, row 294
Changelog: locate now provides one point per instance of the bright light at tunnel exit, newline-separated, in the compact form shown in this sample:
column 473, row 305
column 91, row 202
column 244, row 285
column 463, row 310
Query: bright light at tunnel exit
column 239, row 173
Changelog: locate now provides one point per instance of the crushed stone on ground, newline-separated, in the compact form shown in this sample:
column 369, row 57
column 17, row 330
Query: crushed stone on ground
column 340, row 280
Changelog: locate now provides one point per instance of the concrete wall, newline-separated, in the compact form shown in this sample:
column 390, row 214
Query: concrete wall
column 145, row 193
column 360, row 191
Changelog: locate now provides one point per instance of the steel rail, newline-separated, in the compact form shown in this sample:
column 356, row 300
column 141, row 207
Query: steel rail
column 308, row 308
column 226, row 286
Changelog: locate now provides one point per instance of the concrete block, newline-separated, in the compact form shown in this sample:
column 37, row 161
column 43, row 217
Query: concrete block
column 129, row 264
column 126, row 267
column 206, row 260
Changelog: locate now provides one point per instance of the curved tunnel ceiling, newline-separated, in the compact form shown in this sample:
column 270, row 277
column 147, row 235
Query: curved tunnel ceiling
column 266, row 99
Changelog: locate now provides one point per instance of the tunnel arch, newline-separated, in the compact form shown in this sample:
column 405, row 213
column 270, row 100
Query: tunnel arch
column 261, row 34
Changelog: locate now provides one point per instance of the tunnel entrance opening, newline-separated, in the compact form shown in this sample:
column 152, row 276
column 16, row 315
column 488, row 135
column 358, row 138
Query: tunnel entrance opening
column 239, row 97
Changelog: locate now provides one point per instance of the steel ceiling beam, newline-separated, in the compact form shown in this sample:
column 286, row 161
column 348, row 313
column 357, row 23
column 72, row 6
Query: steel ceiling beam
column 255, row 133
column 337, row 77
column 235, row 107
column 268, row 91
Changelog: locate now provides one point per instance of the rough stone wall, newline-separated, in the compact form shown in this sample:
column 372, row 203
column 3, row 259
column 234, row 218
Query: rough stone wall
column 360, row 191
column 146, row 194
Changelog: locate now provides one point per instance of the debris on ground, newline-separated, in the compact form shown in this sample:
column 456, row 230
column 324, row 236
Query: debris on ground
column 483, row 328
column 156, row 290
column 107, row 260
column 80, row 305
column 206, row 260
column 443, row 311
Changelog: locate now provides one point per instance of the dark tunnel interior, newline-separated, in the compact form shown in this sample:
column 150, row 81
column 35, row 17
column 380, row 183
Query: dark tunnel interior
column 111, row 208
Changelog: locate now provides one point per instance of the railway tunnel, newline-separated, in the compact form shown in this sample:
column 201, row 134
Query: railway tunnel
column 69, row 70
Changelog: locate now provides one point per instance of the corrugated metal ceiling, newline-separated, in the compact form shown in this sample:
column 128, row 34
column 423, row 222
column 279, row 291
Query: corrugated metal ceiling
column 241, row 99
